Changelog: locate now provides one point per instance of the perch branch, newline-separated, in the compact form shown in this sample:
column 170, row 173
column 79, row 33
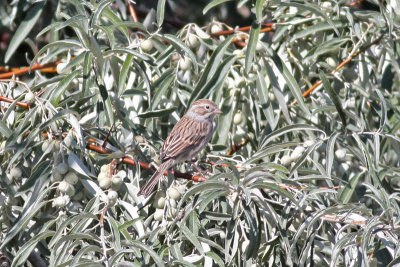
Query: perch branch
column 127, row 160
column 130, row 161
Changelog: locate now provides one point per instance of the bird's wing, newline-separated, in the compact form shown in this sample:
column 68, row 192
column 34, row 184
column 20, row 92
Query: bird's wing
column 187, row 135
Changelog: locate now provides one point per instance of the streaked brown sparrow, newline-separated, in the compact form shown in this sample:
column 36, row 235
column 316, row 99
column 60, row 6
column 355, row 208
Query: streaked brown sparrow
column 188, row 137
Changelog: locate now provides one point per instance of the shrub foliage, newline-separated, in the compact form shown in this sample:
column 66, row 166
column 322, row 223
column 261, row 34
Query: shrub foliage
column 293, row 179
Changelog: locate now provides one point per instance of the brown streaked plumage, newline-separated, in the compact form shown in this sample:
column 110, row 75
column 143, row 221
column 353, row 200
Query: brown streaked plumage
column 188, row 137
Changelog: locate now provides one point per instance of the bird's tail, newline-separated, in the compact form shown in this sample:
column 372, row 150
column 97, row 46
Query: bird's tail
column 149, row 186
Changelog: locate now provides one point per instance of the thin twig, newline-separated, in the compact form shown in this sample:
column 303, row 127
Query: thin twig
column 130, row 161
column 132, row 11
column 103, row 237
column 271, row 26
column 287, row 187
column 127, row 160
column 236, row 147
column 341, row 65
column 19, row 103
column 342, row 219
column 108, row 136
column 16, row 81
column 10, row 100
column 134, row 16
column 244, row 37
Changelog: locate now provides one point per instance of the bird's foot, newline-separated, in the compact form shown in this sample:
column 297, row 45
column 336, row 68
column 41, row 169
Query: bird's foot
column 199, row 170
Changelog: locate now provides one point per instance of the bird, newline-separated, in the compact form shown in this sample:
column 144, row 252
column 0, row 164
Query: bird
column 187, row 138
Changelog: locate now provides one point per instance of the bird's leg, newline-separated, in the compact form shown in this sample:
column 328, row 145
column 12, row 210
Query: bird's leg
column 199, row 170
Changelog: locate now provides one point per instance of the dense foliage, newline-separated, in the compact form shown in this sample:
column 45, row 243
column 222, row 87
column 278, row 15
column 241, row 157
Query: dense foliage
column 306, row 180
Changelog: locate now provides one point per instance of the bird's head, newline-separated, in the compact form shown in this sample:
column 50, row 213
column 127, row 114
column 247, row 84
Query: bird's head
column 203, row 109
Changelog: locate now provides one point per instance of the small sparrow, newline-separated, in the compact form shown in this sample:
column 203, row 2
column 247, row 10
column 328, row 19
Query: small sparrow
column 188, row 137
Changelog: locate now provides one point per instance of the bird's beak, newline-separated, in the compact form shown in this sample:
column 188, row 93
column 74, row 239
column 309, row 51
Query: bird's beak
column 217, row 111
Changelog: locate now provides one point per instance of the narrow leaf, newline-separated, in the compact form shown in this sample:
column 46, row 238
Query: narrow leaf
column 192, row 238
column 259, row 10
column 330, row 153
column 61, row 43
column 213, row 63
column 213, row 4
column 160, row 12
column 4, row 130
column 63, row 86
column 334, row 97
column 76, row 164
column 151, row 252
column 291, row 82
column 251, row 47
column 60, row 25
column 24, row 28
column 313, row 8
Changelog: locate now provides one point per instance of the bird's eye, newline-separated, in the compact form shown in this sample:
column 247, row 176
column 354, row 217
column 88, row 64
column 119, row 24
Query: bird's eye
column 207, row 107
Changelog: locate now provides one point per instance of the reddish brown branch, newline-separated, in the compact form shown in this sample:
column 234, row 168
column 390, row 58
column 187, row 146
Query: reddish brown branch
column 132, row 11
column 99, row 149
column 239, row 39
column 48, row 70
column 309, row 90
column 19, row 103
column 270, row 29
column 22, row 71
column 355, row 3
column 236, row 147
column 41, row 92
column 113, row 167
column 240, row 44
column 177, row 174
column 216, row 163
column 270, row 26
column 107, row 137
column 127, row 160
column 244, row 37
column 134, row 16
column 130, row 161
column 4, row 69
